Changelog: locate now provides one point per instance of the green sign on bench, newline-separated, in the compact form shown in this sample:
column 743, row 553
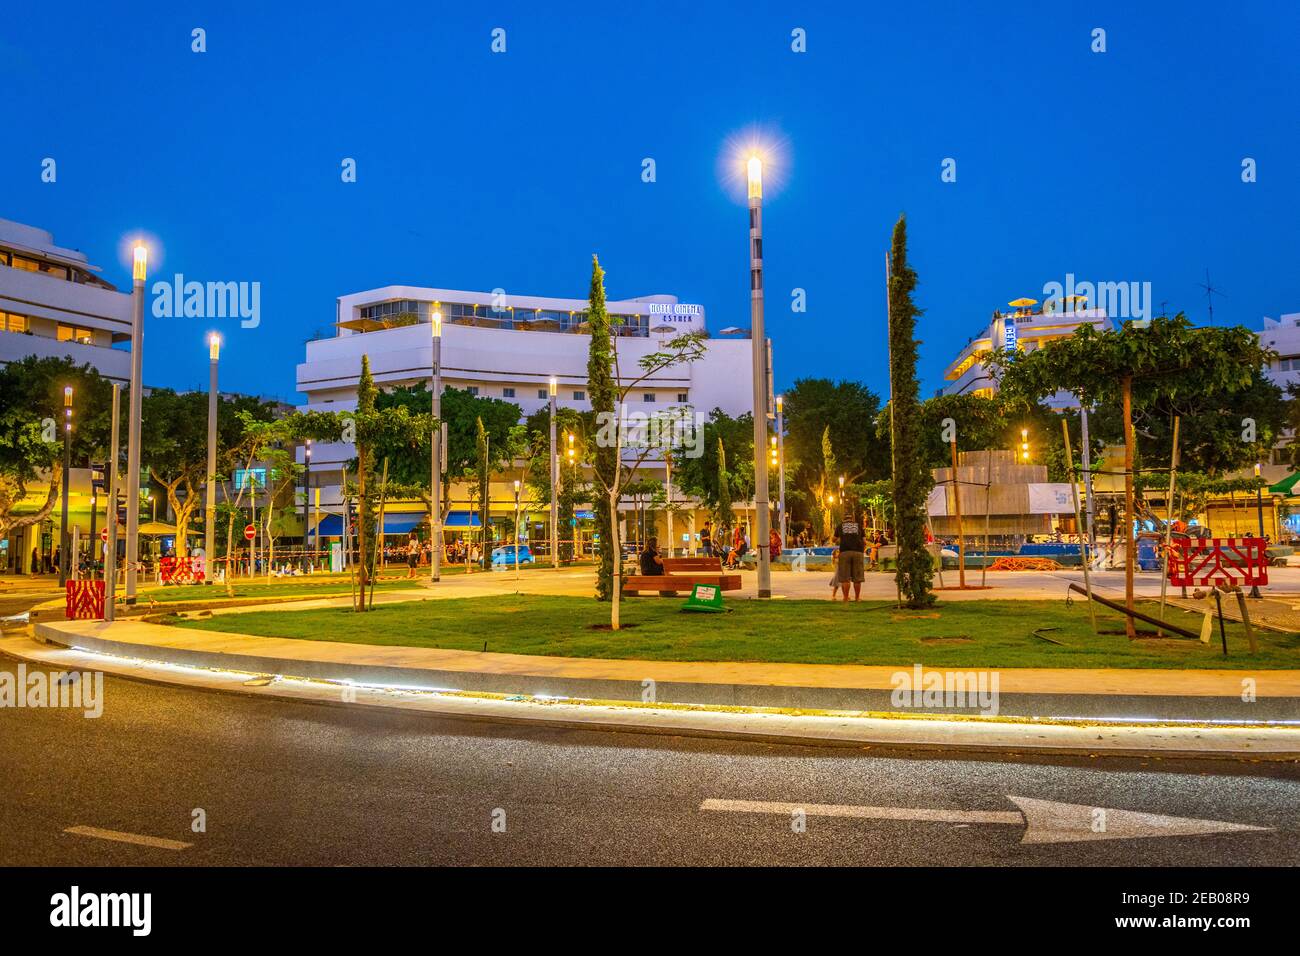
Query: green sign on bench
column 705, row 597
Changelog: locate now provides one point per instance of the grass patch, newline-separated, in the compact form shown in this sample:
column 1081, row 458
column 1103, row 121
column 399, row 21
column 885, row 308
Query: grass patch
column 957, row 634
column 246, row 588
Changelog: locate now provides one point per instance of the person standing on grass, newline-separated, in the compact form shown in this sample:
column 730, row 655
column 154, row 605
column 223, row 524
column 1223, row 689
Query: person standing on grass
column 850, row 566
column 412, row 555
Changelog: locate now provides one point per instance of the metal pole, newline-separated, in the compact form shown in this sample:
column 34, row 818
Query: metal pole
column 1169, row 523
column 110, row 519
column 210, row 498
column 435, row 497
column 1078, row 523
column 1087, row 475
column 133, row 421
column 780, row 466
column 758, row 343
column 961, row 538
column 306, row 501
column 555, row 484
column 64, row 563
column 988, row 494
column 668, row 495
column 1259, row 510
column 516, row 541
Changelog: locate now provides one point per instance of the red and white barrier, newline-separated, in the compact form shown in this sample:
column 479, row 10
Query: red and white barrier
column 1208, row 562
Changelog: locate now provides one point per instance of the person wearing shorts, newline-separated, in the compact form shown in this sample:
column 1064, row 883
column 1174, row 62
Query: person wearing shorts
column 412, row 556
column 851, row 566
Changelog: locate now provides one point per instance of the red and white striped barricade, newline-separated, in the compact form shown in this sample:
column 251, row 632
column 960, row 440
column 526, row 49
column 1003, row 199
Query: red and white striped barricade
column 1218, row 562
column 84, row 601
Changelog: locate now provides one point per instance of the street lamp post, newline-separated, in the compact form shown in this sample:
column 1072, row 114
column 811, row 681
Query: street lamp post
column 758, row 343
column 780, row 464
column 1259, row 509
column 139, row 267
column 668, row 495
column 64, row 562
column 573, row 527
column 555, row 481
column 110, row 517
column 306, row 499
column 435, row 461
column 210, row 493
column 516, row 535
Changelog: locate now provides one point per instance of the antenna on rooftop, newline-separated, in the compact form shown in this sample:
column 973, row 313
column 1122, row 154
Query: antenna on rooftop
column 1210, row 293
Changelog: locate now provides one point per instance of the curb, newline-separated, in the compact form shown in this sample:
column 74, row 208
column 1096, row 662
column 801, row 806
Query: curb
column 857, row 730
column 515, row 675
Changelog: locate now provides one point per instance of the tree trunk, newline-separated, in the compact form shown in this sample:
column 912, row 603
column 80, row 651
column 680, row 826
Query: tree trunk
column 616, row 551
column 363, row 515
column 1130, row 549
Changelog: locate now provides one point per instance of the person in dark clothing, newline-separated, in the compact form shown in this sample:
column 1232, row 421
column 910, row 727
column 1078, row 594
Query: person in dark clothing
column 849, row 537
column 651, row 562
column 706, row 540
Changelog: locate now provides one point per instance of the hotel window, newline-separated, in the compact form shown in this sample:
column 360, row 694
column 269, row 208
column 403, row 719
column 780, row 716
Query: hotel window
column 682, row 398
column 472, row 389
column 13, row 323
column 648, row 397
column 541, row 393
column 579, row 396
column 36, row 265
column 72, row 333
column 508, row 393
column 4, row 258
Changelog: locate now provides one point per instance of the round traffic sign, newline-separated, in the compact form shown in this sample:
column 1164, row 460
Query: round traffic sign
column 103, row 535
column 250, row 532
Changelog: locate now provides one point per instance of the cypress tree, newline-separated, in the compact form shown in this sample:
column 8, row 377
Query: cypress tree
column 603, row 392
column 912, row 479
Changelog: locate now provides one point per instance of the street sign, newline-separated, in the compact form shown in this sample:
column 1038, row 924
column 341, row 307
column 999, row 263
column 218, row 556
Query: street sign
column 103, row 535
column 250, row 532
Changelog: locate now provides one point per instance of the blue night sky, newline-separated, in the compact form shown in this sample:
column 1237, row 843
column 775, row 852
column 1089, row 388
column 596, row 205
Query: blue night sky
column 478, row 170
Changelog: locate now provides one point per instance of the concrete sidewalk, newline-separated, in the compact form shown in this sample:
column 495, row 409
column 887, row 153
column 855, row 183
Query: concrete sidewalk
column 1115, row 694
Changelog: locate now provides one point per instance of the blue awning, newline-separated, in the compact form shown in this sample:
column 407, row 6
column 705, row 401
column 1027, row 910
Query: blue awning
column 462, row 519
column 331, row 526
column 401, row 522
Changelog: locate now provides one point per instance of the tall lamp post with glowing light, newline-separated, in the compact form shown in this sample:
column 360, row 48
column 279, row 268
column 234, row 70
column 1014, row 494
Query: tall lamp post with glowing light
column 758, row 343
column 140, row 263
column 210, row 496
column 435, row 461
column 555, row 482
column 1259, row 510
column 65, row 561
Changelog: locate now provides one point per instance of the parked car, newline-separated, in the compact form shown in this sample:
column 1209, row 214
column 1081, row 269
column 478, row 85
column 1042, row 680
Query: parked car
column 505, row 555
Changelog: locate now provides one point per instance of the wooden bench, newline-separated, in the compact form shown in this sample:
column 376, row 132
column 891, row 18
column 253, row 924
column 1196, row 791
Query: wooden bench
column 682, row 574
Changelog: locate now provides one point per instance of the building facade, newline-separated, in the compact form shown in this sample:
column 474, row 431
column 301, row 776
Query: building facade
column 52, row 305
column 1025, row 328
column 508, row 347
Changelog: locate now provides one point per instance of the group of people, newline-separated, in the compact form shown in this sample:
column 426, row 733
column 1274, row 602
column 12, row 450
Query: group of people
column 733, row 554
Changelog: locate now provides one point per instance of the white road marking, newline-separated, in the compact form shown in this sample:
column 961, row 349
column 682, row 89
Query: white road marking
column 119, row 837
column 1045, row 821
column 1009, row 817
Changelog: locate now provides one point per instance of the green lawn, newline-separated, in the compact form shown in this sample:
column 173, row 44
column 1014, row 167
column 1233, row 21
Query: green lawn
column 246, row 588
column 960, row 634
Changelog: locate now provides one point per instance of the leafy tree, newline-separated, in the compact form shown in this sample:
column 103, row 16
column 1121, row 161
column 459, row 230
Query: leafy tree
column 725, row 469
column 174, row 439
column 611, row 472
column 912, row 480
column 846, row 412
column 1137, row 369
column 31, row 411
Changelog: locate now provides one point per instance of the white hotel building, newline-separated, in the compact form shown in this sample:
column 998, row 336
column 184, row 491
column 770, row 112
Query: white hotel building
column 508, row 347
column 52, row 304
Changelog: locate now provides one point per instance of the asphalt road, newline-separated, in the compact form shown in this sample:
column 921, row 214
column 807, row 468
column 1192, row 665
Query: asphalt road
column 284, row 783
